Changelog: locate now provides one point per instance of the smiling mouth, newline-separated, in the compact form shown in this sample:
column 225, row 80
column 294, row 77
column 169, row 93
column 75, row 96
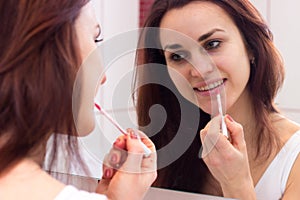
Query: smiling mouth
column 210, row 86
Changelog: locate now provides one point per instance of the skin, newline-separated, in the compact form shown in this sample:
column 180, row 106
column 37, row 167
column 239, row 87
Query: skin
column 225, row 47
column 87, row 34
column 231, row 162
column 28, row 174
column 116, row 182
column 118, row 169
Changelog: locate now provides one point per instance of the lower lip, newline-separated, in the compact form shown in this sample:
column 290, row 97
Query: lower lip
column 211, row 92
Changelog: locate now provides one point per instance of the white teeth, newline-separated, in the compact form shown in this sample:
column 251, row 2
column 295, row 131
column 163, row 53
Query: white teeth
column 211, row 86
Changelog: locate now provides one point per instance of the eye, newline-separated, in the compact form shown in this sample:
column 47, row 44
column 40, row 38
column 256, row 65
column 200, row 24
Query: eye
column 213, row 44
column 178, row 56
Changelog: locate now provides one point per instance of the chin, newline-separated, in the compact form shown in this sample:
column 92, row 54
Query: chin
column 85, row 127
column 85, row 131
column 206, row 107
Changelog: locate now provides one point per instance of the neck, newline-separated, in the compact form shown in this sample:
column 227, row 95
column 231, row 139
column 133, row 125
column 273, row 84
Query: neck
column 36, row 154
column 16, row 171
column 243, row 112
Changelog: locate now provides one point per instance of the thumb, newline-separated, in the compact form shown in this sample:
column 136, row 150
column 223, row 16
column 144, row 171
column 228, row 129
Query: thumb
column 103, row 186
column 135, row 154
column 210, row 136
column 236, row 132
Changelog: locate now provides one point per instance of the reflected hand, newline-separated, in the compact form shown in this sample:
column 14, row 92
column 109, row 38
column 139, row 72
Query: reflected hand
column 228, row 160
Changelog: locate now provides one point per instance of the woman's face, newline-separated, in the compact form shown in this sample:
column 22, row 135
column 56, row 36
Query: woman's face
column 211, row 28
column 88, row 77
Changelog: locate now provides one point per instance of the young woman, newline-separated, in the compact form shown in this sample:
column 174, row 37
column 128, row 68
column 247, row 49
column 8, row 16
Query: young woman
column 43, row 44
column 260, row 160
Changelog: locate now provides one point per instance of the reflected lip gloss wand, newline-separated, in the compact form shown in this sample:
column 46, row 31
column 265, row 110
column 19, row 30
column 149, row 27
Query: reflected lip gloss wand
column 223, row 125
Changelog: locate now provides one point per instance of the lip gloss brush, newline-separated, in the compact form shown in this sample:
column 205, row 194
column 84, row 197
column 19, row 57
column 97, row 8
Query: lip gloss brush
column 223, row 125
column 147, row 151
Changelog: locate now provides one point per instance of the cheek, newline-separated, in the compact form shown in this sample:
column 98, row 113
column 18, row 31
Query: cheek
column 183, row 69
column 86, row 49
column 181, row 80
column 236, row 69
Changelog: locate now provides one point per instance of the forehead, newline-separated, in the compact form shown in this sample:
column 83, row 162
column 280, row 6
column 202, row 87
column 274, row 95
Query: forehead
column 196, row 18
column 87, row 14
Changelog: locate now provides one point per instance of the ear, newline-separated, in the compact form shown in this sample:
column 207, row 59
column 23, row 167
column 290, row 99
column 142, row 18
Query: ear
column 251, row 57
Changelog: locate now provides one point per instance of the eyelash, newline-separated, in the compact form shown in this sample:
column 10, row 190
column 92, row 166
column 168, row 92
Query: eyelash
column 180, row 55
column 98, row 40
column 208, row 45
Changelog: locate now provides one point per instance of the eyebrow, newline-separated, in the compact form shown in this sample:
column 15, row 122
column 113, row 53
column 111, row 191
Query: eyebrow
column 201, row 38
column 173, row 46
column 210, row 33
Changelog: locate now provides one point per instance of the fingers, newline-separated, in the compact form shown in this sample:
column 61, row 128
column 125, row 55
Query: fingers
column 149, row 162
column 120, row 142
column 128, row 153
column 136, row 161
column 107, row 171
column 117, row 155
column 236, row 132
column 107, row 174
column 115, row 158
column 134, row 156
column 144, row 138
column 103, row 186
column 212, row 138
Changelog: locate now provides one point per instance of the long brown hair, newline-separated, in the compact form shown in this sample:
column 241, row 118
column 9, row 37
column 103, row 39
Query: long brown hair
column 39, row 60
column 189, row 173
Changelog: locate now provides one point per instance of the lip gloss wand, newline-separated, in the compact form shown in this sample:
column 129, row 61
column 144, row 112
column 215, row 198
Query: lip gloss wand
column 223, row 125
column 147, row 151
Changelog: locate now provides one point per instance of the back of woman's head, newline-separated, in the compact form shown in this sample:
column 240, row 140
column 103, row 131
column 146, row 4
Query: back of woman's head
column 38, row 64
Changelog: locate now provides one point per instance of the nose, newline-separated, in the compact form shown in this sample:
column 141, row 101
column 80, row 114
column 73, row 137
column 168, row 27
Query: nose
column 201, row 66
column 195, row 72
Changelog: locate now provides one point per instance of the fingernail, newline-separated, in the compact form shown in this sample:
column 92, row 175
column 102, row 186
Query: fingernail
column 107, row 173
column 117, row 142
column 230, row 118
column 113, row 158
column 133, row 135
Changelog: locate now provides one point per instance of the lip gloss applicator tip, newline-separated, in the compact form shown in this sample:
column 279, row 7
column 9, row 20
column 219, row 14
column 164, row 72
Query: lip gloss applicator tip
column 147, row 151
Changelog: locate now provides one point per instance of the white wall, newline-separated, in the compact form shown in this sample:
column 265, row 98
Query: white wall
column 283, row 18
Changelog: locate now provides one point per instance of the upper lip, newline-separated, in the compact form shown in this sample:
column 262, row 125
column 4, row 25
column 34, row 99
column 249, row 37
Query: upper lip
column 205, row 83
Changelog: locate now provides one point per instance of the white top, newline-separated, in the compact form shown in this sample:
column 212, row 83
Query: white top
column 273, row 182
column 72, row 193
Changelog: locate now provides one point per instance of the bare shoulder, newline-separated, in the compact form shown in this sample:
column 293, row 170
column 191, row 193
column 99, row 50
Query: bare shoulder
column 25, row 176
column 285, row 127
